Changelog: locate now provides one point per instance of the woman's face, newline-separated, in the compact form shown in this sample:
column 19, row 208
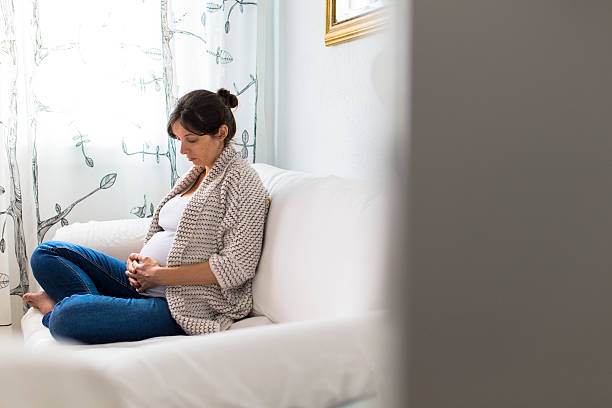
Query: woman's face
column 200, row 150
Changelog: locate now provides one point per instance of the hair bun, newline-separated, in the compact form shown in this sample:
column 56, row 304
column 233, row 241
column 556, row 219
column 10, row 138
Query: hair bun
column 228, row 99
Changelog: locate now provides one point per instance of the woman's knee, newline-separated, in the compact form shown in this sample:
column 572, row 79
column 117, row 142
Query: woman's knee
column 42, row 251
column 41, row 255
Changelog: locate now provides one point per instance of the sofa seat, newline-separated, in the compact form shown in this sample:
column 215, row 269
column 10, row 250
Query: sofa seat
column 318, row 363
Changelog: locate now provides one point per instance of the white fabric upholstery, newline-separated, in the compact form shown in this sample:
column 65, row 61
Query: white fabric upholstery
column 324, row 247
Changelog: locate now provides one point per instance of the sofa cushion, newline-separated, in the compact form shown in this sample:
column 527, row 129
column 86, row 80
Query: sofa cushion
column 117, row 238
column 324, row 247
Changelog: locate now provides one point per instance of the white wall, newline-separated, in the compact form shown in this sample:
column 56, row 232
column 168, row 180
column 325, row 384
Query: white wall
column 335, row 104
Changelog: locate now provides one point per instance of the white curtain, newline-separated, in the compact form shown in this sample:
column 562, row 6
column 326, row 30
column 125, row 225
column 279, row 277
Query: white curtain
column 85, row 91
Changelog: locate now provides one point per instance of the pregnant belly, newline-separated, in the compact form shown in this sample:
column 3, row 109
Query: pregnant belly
column 158, row 247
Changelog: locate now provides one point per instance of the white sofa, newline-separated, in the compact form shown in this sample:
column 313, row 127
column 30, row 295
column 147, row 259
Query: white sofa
column 318, row 335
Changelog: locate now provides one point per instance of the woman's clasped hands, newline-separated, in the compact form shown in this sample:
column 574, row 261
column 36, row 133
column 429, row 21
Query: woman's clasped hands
column 142, row 272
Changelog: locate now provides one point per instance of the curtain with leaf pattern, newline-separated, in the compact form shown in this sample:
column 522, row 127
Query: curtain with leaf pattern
column 85, row 92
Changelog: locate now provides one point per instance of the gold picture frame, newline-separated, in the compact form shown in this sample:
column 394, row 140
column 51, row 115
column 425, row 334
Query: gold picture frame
column 336, row 33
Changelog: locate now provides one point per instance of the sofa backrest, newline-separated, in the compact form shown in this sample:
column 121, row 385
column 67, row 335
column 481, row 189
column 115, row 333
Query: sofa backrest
column 324, row 252
column 325, row 247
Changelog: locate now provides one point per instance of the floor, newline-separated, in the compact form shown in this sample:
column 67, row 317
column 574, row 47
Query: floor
column 9, row 331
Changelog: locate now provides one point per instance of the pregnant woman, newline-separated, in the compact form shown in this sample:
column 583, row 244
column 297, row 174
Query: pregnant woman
column 194, row 273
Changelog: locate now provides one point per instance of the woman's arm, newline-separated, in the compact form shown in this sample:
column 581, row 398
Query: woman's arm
column 236, row 261
column 194, row 274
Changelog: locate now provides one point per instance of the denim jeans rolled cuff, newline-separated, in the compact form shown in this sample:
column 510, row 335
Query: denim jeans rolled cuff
column 45, row 319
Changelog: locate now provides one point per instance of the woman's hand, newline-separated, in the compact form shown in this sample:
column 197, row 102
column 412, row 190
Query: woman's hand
column 143, row 272
column 129, row 264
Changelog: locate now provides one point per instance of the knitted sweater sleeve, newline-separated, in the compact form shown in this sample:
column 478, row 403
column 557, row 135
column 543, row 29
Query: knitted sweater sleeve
column 244, row 221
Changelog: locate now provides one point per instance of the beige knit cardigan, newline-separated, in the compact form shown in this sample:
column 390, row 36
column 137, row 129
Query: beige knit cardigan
column 223, row 224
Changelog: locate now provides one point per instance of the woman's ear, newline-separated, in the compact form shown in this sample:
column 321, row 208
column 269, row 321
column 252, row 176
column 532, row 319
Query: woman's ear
column 223, row 132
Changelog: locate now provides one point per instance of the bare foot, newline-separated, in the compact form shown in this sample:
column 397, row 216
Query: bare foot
column 41, row 301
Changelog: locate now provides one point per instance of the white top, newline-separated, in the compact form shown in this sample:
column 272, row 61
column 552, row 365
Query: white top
column 158, row 247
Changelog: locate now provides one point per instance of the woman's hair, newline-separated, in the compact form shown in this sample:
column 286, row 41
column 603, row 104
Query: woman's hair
column 203, row 112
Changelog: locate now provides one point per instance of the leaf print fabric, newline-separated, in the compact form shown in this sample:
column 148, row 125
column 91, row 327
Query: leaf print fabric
column 84, row 126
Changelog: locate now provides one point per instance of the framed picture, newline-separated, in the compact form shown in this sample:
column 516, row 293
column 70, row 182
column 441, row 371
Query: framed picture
column 347, row 20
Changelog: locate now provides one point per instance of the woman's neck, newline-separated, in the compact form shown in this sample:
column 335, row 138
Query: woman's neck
column 210, row 165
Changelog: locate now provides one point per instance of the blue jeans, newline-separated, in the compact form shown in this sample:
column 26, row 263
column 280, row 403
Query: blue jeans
column 95, row 301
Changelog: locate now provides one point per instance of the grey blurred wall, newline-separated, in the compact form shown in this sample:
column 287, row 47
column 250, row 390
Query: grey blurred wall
column 511, row 204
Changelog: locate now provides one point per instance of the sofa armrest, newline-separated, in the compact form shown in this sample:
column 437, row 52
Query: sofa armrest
column 117, row 238
column 319, row 363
